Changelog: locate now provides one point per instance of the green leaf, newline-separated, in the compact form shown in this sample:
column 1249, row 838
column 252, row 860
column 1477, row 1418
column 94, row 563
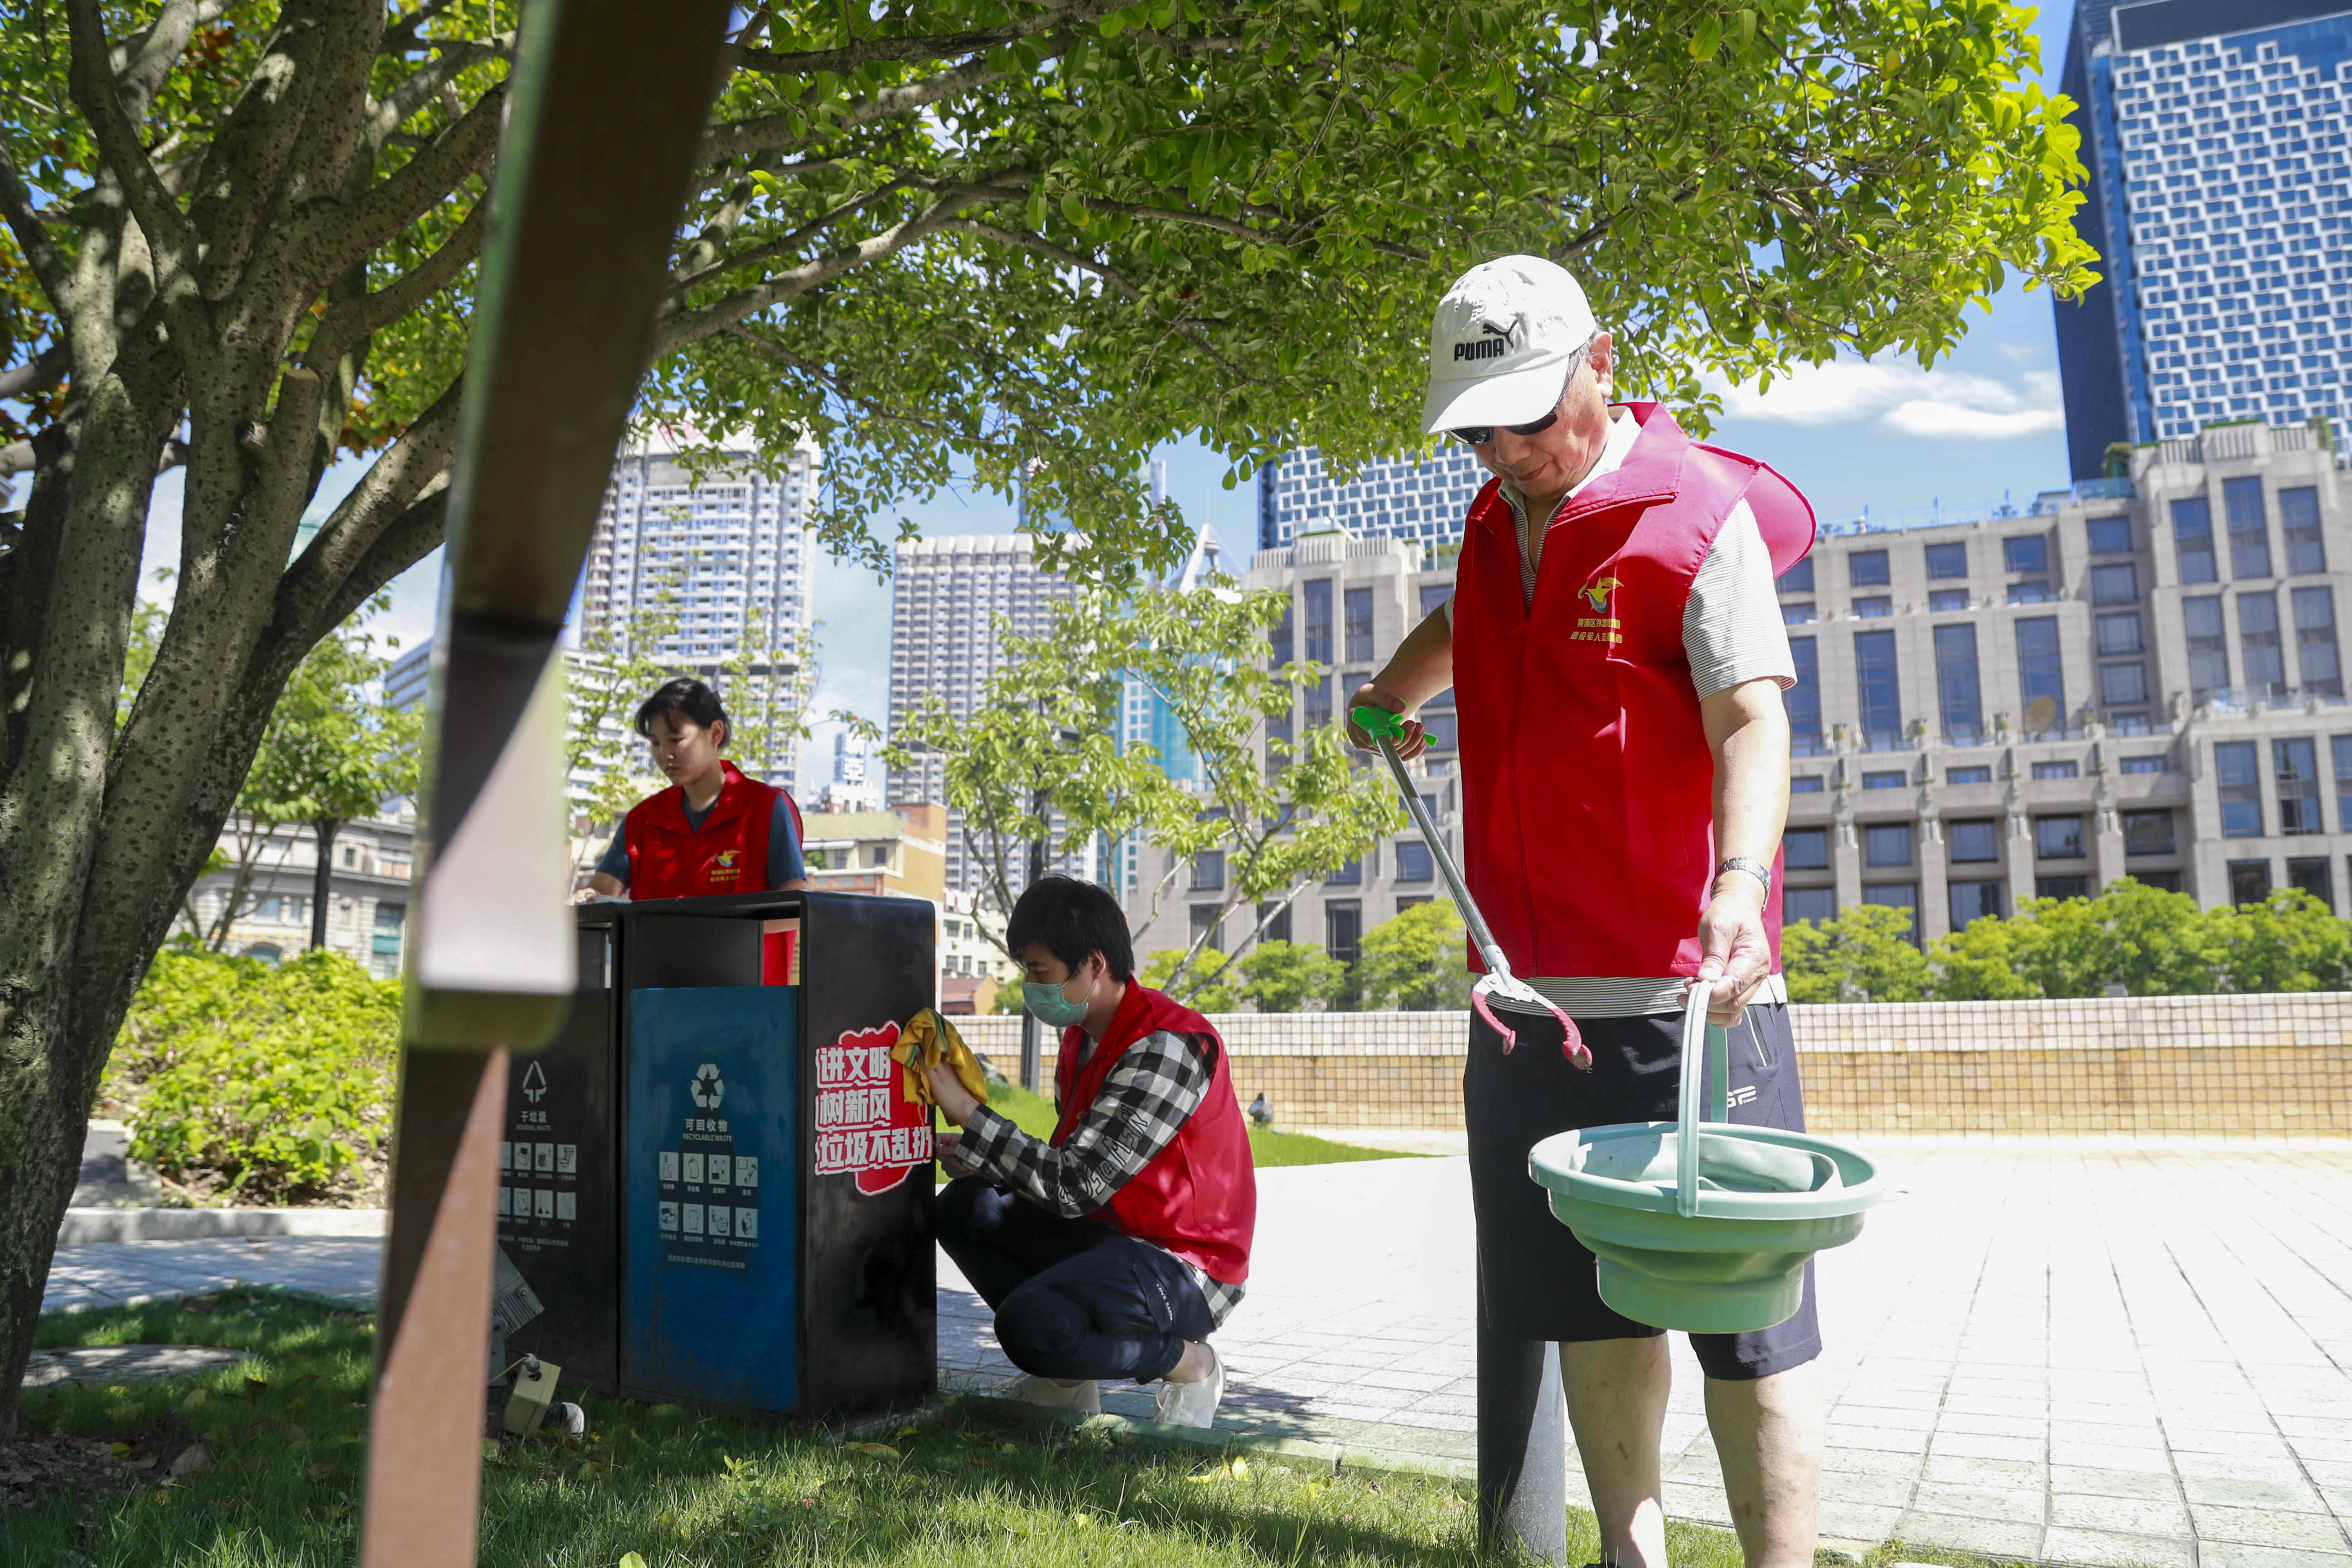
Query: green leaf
column 1706, row 37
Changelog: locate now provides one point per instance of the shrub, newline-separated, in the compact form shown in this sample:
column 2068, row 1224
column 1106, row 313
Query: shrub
column 261, row 1084
column 1413, row 962
column 1863, row 955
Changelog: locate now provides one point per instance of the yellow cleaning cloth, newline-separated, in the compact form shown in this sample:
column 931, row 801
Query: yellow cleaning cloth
column 926, row 1039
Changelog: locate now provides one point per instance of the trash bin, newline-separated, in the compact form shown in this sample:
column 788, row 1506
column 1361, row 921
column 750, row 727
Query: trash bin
column 776, row 1189
column 558, row 1265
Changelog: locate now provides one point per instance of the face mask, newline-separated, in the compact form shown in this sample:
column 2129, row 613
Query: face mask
column 1051, row 1007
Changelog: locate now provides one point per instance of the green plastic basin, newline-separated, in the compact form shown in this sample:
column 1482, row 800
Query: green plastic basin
column 1719, row 1252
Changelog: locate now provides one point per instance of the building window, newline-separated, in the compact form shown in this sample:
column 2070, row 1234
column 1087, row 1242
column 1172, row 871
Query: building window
column 1797, row 579
column 1318, row 701
column 1944, row 599
column 2115, row 585
column 2034, row 591
column 2041, row 672
column 1808, row 904
column 1348, row 875
column 1343, row 929
column 1277, row 926
column 1887, row 844
column 1873, row 607
column 267, row 951
column 1885, row 778
column 1805, row 849
column 2309, row 873
column 2208, row 645
column 877, row 857
column 1972, row 840
column 2299, row 520
column 2192, row 540
column 1359, row 623
column 1972, row 902
column 1434, row 598
column 2316, row 657
column 1207, row 918
column 2238, row 778
column 2148, row 765
column 2109, row 536
column 1975, row 774
column 2120, row 635
column 2258, row 644
column 2341, row 746
column 2062, row 770
column 1945, row 560
column 1957, row 691
column 1876, row 684
column 2249, row 881
column 1867, row 569
column 1804, row 784
column 2123, row 683
column 2058, row 837
column 2162, row 881
column 2028, row 553
column 2147, row 833
column 1796, row 614
column 2296, row 761
column 280, row 909
column 1413, row 861
column 1804, row 699
column 2250, row 529
column 2062, row 886
column 1443, row 729
column 1318, row 619
column 1278, row 640
column 1209, row 871
column 1904, row 896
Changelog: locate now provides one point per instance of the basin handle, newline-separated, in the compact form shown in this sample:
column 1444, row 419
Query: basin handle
column 1706, row 1070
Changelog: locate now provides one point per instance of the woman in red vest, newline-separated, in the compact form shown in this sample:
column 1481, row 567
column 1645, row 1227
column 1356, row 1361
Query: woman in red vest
column 1117, row 1247
column 713, row 830
column 1615, row 646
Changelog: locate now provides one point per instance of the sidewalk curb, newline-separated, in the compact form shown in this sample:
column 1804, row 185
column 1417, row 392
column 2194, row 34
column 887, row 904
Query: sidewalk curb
column 85, row 1226
column 1323, row 1459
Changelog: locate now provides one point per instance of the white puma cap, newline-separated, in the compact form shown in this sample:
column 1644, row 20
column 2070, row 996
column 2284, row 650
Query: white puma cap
column 1504, row 334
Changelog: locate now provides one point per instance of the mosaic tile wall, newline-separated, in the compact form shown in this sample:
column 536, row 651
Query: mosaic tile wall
column 2234, row 1067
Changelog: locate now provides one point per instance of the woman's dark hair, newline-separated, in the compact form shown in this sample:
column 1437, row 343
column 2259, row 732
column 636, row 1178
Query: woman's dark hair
column 685, row 697
column 1072, row 919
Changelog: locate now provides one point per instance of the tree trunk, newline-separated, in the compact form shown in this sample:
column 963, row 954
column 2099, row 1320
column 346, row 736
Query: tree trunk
column 322, row 877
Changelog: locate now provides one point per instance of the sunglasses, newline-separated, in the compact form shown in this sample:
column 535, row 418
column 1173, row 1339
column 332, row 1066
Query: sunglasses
column 1479, row 435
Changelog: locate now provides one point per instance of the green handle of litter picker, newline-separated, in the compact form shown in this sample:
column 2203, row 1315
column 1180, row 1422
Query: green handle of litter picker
column 1707, row 1069
column 1378, row 722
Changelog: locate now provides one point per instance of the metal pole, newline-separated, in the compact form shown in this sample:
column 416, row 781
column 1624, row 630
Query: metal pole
column 1522, row 1444
column 609, row 99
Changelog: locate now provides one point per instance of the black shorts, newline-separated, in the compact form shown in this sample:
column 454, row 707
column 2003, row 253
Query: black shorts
column 1536, row 1280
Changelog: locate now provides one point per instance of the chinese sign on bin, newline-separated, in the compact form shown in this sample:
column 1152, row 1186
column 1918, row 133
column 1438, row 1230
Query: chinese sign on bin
column 866, row 1125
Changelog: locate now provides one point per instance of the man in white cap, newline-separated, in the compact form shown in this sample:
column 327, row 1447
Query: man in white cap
column 1615, row 648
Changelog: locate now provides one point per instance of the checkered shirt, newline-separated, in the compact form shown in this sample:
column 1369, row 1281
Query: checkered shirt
column 1150, row 1095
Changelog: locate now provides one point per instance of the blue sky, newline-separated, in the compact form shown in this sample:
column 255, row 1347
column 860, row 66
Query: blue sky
column 1984, row 426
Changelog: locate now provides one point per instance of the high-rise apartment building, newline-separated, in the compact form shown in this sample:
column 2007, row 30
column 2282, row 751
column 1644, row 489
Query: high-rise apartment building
column 946, row 596
column 2215, row 137
column 1419, row 498
column 729, row 548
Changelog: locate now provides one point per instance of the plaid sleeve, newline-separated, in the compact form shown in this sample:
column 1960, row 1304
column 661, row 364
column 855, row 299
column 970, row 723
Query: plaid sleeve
column 1156, row 1086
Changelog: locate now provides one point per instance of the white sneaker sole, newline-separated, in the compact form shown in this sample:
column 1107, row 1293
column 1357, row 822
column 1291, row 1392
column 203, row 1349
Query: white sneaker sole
column 1192, row 1404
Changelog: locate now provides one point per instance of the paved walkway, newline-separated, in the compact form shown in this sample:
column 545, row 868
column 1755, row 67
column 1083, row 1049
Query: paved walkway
column 2080, row 1353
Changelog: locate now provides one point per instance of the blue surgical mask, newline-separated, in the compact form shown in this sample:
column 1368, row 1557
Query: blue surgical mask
column 1053, row 1008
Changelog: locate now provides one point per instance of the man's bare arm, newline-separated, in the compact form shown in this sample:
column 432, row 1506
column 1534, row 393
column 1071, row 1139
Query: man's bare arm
column 1421, row 667
column 1748, row 734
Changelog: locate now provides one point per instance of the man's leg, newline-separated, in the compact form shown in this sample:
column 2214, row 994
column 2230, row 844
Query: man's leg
column 1000, row 1242
column 1769, row 1433
column 1617, row 1406
column 1121, row 1310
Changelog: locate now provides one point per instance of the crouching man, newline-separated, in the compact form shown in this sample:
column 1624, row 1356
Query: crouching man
column 1117, row 1247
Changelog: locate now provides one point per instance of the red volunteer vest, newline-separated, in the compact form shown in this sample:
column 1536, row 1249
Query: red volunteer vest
column 668, row 859
column 1198, row 1197
column 1588, row 824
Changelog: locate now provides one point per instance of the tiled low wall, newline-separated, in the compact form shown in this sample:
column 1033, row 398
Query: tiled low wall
column 2277, row 1066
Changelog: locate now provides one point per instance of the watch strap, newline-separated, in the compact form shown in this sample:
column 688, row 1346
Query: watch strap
column 1749, row 864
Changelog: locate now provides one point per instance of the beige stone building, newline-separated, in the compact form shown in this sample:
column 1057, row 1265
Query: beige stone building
column 367, row 914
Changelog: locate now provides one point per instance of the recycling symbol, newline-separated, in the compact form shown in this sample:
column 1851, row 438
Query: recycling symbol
column 534, row 1084
column 710, row 1088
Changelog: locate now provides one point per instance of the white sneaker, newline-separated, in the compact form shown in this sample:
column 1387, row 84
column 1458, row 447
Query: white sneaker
column 1192, row 1404
column 1086, row 1397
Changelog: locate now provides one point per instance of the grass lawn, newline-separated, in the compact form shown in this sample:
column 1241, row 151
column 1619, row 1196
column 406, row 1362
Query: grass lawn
column 1034, row 1113
column 683, row 1488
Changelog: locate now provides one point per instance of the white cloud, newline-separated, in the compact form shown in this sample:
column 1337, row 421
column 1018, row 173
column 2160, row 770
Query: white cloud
column 1950, row 405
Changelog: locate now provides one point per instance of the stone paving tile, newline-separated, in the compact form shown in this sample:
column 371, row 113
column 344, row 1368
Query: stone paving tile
column 2269, row 1527
column 2124, row 1515
column 2106, row 1549
column 2231, row 1554
column 2292, row 1496
column 2018, row 1506
column 1967, row 1533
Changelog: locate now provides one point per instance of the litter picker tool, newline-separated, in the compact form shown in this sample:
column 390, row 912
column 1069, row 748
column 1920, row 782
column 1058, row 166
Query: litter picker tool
column 1386, row 728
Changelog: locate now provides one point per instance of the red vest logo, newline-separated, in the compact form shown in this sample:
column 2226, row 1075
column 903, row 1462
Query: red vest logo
column 1599, row 627
column 866, row 1125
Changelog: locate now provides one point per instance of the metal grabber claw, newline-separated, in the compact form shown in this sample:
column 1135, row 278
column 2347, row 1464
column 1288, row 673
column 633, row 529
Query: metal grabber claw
column 1387, row 729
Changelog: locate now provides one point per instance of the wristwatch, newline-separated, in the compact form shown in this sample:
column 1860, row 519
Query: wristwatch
column 1749, row 864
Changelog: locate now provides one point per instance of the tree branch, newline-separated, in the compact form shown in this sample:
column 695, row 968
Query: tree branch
column 102, row 103
column 1022, row 239
column 38, row 373
column 772, row 131
column 347, row 323
column 920, row 46
column 49, row 267
column 339, row 234
column 393, row 111
column 706, row 267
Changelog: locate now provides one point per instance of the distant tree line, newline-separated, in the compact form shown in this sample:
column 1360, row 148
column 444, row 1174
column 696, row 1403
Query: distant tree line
column 1411, row 963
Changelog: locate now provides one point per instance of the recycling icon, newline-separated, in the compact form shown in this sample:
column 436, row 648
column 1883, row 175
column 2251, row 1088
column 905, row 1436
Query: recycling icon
column 534, row 1084
column 710, row 1088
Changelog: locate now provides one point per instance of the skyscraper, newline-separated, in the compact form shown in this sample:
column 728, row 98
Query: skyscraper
column 2214, row 133
column 1419, row 498
column 945, row 597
